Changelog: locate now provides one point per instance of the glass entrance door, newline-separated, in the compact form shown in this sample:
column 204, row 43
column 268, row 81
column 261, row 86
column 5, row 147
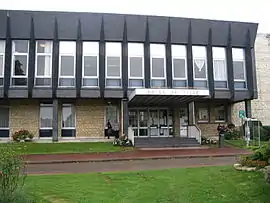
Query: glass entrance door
column 183, row 122
column 143, row 123
column 153, row 123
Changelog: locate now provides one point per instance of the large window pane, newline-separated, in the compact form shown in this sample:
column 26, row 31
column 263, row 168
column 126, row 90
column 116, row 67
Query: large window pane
column 67, row 66
column 238, row 70
column 4, row 117
column 44, row 66
column 220, row 114
column 2, row 46
column 20, row 46
column 220, row 72
column 179, row 68
column 113, row 66
column 44, row 46
column 46, row 116
column 200, row 68
column 68, row 116
column 1, row 65
column 158, row 67
column 90, row 66
column 136, row 66
column 20, row 65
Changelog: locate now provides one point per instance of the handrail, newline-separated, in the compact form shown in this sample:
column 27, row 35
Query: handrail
column 197, row 135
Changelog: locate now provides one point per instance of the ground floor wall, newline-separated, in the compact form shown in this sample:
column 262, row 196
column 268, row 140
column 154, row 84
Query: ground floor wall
column 87, row 118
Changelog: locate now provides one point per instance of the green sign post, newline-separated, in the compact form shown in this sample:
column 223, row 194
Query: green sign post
column 242, row 114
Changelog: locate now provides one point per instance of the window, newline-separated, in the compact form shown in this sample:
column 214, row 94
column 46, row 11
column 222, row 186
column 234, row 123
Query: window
column 19, row 63
column 136, row 65
column 220, row 114
column 4, row 122
column 158, row 65
column 113, row 64
column 43, row 73
column 111, row 114
column 202, row 112
column 199, row 66
column 2, row 62
column 68, row 121
column 46, row 120
column 239, row 69
column 220, row 67
column 179, row 72
column 90, row 64
column 67, row 64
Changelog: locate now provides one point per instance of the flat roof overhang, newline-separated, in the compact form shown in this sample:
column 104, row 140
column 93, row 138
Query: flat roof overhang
column 166, row 97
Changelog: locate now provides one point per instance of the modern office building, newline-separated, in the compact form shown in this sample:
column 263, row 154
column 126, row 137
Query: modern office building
column 64, row 74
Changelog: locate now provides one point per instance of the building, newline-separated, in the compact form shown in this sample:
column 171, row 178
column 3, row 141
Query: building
column 64, row 74
column 260, row 106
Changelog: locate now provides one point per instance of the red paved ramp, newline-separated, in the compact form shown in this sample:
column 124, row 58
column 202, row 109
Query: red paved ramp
column 134, row 155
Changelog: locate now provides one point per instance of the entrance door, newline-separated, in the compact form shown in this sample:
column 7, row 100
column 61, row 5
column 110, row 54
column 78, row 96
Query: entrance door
column 183, row 122
column 153, row 123
column 143, row 123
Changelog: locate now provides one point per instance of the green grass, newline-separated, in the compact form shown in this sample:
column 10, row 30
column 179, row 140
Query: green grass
column 190, row 185
column 57, row 148
column 242, row 143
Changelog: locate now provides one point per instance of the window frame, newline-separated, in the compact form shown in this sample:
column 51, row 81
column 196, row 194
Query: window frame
column 72, row 109
column 74, row 67
column 225, row 62
column 2, row 75
column 238, row 59
column 200, row 58
column 163, row 56
column 175, row 56
column 9, row 114
column 13, row 76
column 225, row 114
column 40, row 106
column 141, row 55
column 90, row 54
column 202, row 120
column 107, row 44
column 51, row 62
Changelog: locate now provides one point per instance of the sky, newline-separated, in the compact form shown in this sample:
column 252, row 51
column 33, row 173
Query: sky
column 234, row 10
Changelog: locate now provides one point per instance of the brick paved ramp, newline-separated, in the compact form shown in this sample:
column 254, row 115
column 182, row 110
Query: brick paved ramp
column 134, row 155
column 157, row 164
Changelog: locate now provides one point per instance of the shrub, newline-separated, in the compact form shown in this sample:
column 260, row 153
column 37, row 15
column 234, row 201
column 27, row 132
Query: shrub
column 249, row 162
column 233, row 134
column 12, row 174
column 24, row 135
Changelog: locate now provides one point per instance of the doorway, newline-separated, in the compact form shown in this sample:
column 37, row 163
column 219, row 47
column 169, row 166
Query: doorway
column 183, row 118
column 151, row 122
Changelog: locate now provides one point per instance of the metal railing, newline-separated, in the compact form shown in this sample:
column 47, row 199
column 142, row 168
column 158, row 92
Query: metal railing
column 195, row 132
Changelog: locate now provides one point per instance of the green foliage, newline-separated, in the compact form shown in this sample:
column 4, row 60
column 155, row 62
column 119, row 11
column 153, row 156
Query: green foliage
column 24, row 135
column 250, row 162
column 12, row 174
column 233, row 134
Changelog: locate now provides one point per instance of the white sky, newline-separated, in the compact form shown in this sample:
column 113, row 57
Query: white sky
column 235, row 10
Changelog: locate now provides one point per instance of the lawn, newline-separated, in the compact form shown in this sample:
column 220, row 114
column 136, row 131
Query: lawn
column 187, row 185
column 242, row 143
column 57, row 148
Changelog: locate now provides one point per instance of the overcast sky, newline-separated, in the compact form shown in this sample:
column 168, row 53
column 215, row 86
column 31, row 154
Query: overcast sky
column 236, row 10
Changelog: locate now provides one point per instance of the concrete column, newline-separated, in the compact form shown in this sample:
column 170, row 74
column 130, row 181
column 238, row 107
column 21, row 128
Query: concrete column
column 248, row 108
column 191, row 113
column 229, row 113
column 55, row 121
column 125, row 119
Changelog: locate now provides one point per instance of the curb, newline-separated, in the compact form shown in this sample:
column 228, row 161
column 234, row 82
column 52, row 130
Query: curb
column 132, row 158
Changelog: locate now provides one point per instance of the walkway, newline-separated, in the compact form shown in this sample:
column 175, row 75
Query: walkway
column 134, row 155
column 128, row 165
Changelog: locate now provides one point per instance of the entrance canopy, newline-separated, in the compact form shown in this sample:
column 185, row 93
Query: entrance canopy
column 164, row 97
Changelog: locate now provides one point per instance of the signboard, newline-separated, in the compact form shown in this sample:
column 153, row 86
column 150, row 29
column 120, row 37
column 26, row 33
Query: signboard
column 173, row 92
column 242, row 114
